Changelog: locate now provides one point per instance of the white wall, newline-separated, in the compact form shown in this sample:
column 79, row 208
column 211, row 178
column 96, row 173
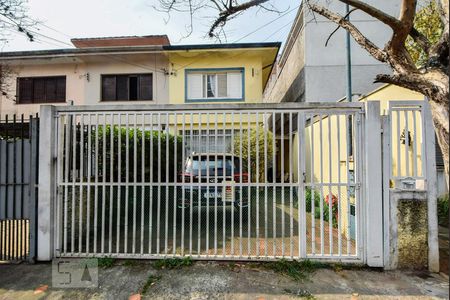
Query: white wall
column 127, row 64
column 325, row 67
column 315, row 73
column 78, row 88
column 74, row 85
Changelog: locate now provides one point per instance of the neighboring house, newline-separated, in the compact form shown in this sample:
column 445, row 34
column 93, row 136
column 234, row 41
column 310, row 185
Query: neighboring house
column 98, row 71
column 388, row 93
column 309, row 71
column 329, row 161
column 400, row 167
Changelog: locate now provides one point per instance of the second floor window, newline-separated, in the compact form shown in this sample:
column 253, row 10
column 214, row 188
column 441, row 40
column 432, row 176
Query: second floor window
column 41, row 89
column 220, row 85
column 127, row 87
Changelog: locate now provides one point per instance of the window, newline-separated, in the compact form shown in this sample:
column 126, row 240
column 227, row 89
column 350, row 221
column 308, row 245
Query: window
column 127, row 87
column 205, row 85
column 209, row 141
column 41, row 89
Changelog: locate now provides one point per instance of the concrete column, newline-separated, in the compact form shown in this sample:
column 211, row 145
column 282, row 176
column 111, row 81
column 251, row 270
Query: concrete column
column 373, row 185
column 431, row 176
column 408, row 229
column 46, row 184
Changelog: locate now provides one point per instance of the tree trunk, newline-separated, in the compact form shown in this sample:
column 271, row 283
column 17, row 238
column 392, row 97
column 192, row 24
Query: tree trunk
column 440, row 113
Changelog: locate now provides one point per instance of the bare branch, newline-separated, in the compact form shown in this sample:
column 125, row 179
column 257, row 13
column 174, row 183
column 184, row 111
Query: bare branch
column 15, row 13
column 337, row 28
column 364, row 42
column 231, row 10
column 374, row 12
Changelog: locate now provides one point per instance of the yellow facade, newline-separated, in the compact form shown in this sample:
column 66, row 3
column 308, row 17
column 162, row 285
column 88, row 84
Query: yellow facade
column 256, row 64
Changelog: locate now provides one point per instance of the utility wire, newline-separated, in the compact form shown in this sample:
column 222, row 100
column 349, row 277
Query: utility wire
column 268, row 23
column 248, row 34
column 145, row 67
column 278, row 30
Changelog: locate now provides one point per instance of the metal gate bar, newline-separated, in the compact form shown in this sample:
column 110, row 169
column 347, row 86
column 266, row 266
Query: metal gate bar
column 274, row 175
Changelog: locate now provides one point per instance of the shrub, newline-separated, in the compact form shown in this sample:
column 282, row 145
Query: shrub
column 105, row 152
column 325, row 209
column 443, row 210
column 256, row 141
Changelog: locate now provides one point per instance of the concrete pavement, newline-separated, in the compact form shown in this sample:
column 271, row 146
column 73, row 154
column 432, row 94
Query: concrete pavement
column 204, row 280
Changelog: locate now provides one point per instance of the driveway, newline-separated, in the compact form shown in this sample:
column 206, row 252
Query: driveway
column 141, row 227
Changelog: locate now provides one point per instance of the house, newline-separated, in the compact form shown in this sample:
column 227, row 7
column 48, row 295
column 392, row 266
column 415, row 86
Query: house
column 145, row 70
column 140, row 70
column 309, row 71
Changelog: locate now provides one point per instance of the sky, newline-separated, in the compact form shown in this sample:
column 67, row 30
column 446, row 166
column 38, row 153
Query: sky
column 65, row 19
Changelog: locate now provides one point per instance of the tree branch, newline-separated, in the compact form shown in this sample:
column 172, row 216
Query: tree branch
column 407, row 13
column 337, row 28
column 420, row 39
column 374, row 12
column 364, row 42
column 231, row 10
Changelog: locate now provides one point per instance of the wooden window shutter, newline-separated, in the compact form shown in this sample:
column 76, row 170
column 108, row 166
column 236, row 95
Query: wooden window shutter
column 25, row 90
column 61, row 89
column 39, row 90
column 108, row 88
column 122, row 87
column 50, row 90
column 146, row 87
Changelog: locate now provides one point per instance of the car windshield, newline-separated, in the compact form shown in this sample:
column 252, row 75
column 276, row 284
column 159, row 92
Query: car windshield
column 211, row 162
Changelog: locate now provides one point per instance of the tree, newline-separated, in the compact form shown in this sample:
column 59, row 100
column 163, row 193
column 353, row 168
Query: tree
column 429, row 77
column 428, row 22
column 13, row 18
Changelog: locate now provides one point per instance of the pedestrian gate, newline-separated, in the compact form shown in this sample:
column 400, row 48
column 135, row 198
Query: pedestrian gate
column 233, row 182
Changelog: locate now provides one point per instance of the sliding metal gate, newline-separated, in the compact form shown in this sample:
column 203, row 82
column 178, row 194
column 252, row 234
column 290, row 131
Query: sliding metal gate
column 210, row 181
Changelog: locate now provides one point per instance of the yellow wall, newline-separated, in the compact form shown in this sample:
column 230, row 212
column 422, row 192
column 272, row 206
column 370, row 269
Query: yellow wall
column 252, row 60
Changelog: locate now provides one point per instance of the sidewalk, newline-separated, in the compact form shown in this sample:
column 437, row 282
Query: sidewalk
column 205, row 280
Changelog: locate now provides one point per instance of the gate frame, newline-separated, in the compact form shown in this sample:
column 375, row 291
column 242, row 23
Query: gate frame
column 370, row 195
column 430, row 189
